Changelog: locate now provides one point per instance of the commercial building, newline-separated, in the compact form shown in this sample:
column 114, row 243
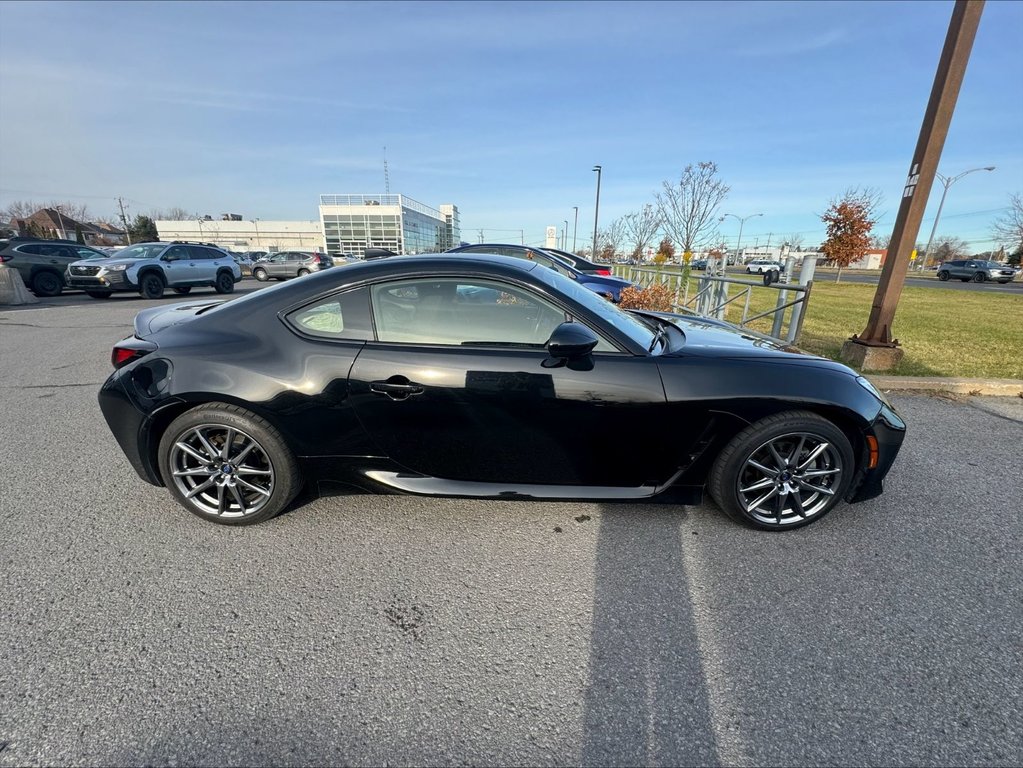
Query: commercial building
column 246, row 235
column 353, row 223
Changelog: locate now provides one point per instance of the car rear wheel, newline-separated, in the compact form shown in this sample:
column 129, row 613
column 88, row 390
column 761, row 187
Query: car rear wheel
column 100, row 294
column 184, row 291
column 225, row 283
column 979, row 277
column 783, row 472
column 260, row 274
column 151, row 286
column 228, row 465
column 943, row 275
column 47, row 284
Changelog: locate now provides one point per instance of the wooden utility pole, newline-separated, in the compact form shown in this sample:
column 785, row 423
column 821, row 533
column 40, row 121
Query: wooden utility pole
column 874, row 348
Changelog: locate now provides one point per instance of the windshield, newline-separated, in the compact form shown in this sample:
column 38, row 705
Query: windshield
column 628, row 324
column 141, row 251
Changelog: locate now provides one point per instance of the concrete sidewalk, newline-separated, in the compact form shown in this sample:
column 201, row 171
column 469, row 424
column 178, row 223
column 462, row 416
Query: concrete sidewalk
column 947, row 384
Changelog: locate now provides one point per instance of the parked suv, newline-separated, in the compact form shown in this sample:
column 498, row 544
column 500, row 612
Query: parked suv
column 42, row 263
column 976, row 270
column 759, row 266
column 151, row 268
column 290, row 264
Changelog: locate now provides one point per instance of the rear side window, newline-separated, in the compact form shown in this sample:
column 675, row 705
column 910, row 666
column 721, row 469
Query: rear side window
column 40, row 249
column 343, row 316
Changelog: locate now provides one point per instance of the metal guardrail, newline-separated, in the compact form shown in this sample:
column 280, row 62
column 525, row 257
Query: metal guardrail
column 713, row 296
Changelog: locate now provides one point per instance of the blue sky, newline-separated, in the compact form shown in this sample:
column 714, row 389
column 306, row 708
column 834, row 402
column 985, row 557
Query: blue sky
column 501, row 108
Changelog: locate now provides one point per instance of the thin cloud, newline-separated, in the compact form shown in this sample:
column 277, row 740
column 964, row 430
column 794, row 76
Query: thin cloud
column 795, row 47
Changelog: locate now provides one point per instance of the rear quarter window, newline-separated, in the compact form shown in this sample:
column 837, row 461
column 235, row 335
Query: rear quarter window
column 341, row 317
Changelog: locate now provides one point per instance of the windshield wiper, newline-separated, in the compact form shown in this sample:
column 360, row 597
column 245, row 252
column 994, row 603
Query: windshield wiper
column 659, row 334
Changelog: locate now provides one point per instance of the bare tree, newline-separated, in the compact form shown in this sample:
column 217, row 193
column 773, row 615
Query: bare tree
column 21, row 209
column 1008, row 228
column 76, row 211
column 793, row 242
column 689, row 208
column 880, row 241
column 948, row 247
column 610, row 240
column 641, row 228
column 174, row 213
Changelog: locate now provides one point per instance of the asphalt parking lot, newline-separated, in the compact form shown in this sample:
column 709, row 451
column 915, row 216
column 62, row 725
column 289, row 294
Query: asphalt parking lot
column 383, row 630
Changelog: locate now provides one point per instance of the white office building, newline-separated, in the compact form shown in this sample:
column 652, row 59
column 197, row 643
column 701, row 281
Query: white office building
column 246, row 235
column 353, row 223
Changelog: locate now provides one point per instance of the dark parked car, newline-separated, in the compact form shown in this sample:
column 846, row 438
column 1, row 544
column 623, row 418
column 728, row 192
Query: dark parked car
column 280, row 266
column 977, row 270
column 42, row 263
column 487, row 377
column 583, row 265
column 605, row 285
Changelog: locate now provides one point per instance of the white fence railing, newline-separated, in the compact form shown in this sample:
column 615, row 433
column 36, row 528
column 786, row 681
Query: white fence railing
column 716, row 293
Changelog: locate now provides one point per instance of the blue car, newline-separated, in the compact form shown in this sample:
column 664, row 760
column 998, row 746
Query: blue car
column 602, row 284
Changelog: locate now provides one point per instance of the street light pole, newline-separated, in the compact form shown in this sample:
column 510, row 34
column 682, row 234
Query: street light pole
column 946, row 182
column 255, row 223
column 742, row 220
column 575, row 228
column 596, row 213
column 564, row 240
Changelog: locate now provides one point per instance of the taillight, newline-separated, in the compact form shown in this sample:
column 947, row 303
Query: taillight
column 129, row 350
column 604, row 272
column 5, row 259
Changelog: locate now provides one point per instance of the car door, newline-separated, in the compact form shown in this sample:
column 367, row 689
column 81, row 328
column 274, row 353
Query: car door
column 456, row 385
column 276, row 265
column 202, row 266
column 176, row 260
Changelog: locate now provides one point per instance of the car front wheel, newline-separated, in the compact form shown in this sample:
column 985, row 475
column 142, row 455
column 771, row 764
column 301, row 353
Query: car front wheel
column 260, row 274
column 979, row 277
column 151, row 286
column 783, row 472
column 228, row 465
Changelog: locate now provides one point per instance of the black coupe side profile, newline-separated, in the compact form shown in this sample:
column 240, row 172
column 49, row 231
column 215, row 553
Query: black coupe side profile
column 485, row 377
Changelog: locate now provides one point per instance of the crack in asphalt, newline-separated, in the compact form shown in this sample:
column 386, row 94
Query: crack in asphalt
column 993, row 412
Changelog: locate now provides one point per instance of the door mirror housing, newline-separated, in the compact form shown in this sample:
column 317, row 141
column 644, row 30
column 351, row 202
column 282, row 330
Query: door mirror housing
column 571, row 341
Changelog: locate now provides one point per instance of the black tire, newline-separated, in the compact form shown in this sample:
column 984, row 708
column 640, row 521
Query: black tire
column 303, row 271
column 260, row 274
column 47, row 283
column 184, row 291
column 269, row 465
column 225, row 282
column 100, row 294
column 151, row 286
column 798, row 498
column 980, row 277
column 943, row 275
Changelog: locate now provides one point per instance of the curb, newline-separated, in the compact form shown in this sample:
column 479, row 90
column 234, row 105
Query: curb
column 932, row 384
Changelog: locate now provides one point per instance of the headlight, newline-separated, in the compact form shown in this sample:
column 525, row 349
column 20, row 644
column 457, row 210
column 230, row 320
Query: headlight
column 115, row 268
column 865, row 383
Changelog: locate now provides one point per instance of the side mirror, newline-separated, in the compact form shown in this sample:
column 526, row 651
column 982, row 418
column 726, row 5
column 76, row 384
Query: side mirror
column 570, row 341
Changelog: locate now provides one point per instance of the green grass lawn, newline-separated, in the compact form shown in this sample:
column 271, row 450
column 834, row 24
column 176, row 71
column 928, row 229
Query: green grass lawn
column 942, row 332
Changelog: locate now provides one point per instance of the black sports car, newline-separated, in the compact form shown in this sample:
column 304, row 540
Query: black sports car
column 486, row 377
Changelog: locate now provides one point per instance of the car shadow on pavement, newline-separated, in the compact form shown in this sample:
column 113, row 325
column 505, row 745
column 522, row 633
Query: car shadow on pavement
column 646, row 702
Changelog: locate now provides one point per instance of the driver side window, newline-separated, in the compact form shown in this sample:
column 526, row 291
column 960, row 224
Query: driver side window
column 464, row 312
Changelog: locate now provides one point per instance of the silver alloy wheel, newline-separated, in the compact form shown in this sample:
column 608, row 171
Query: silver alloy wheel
column 222, row 471
column 789, row 478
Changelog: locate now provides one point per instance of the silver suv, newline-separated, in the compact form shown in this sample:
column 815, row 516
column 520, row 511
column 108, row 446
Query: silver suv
column 977, row 270
column 285, row 264
column 151, row 268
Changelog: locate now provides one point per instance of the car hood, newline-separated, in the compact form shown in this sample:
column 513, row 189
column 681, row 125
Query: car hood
column 106, row 262
column 154, row 319
column 716, row 338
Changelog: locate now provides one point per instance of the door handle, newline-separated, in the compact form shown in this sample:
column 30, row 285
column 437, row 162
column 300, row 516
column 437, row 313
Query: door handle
column 397, row 388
